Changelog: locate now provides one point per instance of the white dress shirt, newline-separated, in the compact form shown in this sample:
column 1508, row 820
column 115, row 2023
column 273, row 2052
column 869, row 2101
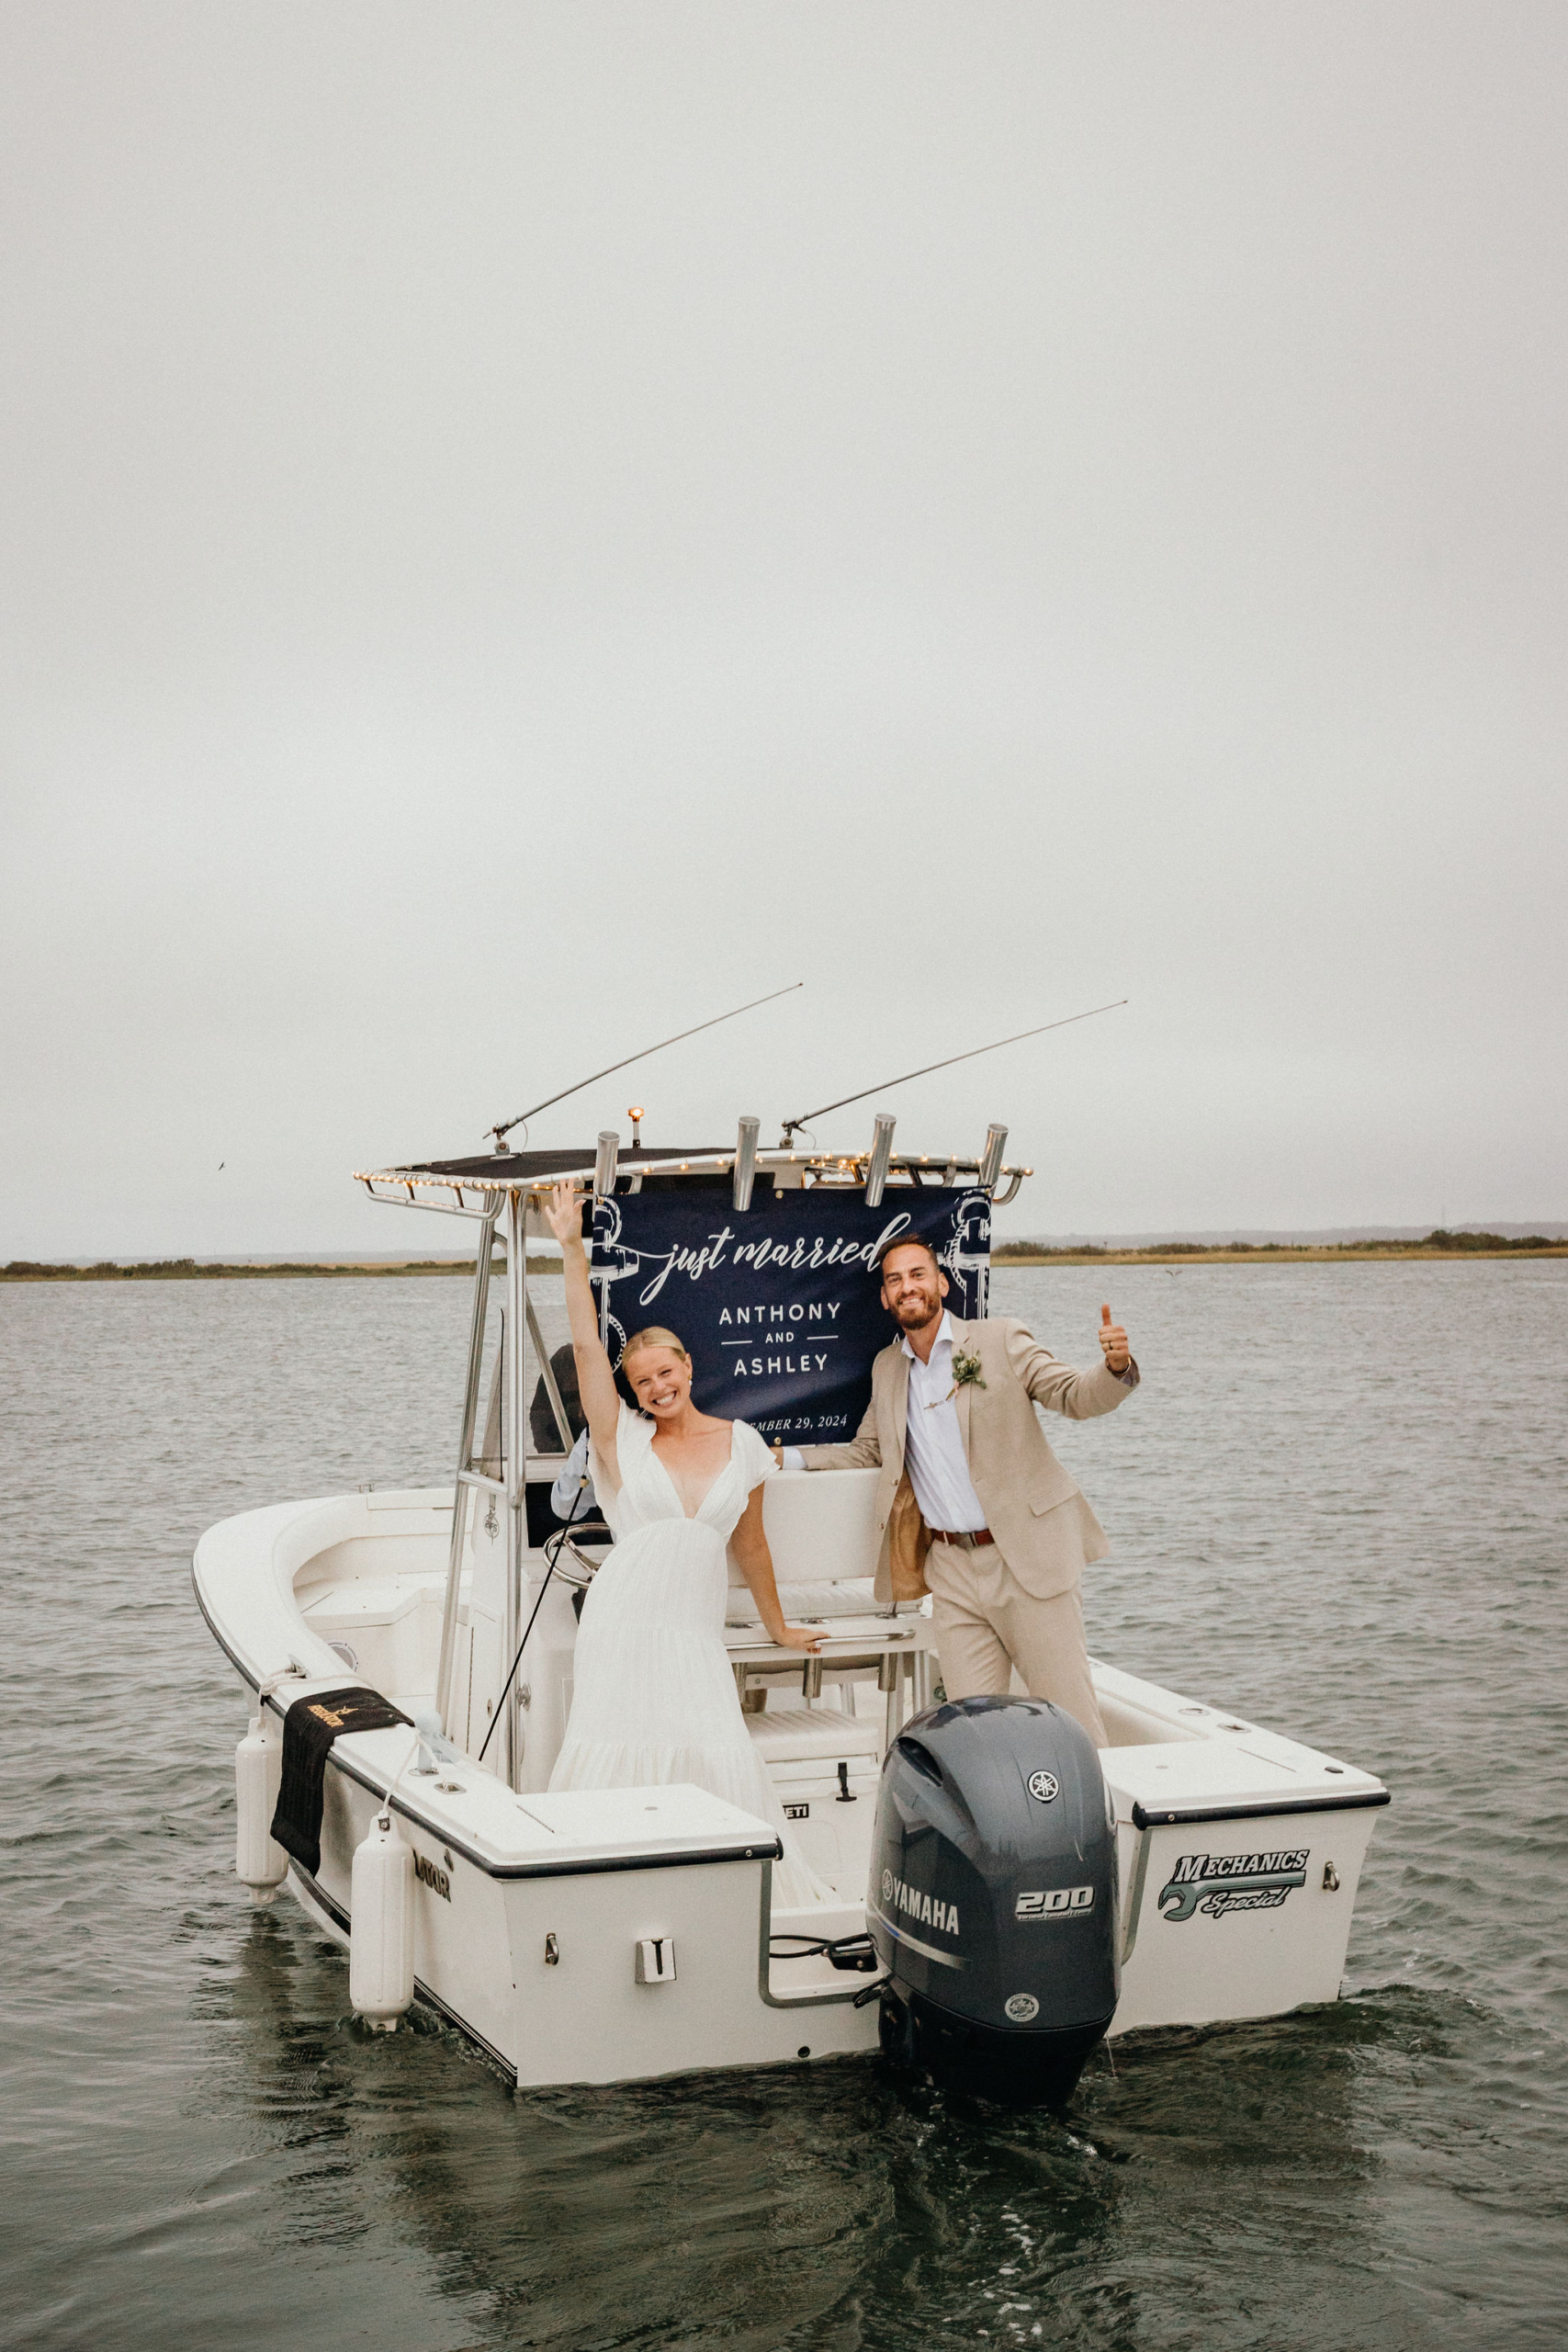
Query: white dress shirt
column 934, row 1443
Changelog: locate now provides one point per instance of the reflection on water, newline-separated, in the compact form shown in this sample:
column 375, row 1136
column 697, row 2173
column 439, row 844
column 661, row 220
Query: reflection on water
column 203, row 2149
column 1203, row 2181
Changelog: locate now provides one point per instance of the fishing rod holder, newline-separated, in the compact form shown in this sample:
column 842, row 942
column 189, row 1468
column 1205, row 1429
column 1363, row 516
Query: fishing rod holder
column 881, row 1158
column 605, row 1163
column 991, row 1158
column 745, row 1174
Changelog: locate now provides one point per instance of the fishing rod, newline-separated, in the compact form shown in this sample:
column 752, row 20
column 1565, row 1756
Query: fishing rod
column 790, row 1125
column 504, row 1129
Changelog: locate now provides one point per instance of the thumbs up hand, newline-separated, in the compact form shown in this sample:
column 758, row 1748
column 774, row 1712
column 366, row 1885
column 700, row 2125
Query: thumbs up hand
column 1113, row 1340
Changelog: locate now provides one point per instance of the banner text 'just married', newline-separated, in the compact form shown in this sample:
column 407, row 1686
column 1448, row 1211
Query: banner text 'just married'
column 794, row 1255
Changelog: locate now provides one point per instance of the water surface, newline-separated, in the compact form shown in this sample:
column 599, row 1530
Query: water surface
column 1337, row 1506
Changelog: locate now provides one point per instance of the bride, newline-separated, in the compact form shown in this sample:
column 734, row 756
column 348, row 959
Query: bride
column 653, row 1696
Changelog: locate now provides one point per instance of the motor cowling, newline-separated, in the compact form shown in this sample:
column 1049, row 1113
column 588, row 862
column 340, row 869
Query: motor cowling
column 992, row 1901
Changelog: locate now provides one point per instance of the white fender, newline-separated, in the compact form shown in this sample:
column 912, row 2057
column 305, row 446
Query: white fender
column 260, row 1863
column 381, row 1942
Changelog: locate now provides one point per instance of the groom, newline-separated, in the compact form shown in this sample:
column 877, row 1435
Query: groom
column 971, row 1488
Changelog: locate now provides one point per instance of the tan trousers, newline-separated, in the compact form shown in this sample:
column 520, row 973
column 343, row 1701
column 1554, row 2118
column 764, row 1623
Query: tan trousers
column 986, row 1624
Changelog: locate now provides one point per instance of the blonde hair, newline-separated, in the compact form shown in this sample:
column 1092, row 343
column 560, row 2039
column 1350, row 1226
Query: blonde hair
column 655, row 1336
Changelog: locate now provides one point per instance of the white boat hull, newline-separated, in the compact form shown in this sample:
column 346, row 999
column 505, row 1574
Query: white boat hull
column 1239, row 1851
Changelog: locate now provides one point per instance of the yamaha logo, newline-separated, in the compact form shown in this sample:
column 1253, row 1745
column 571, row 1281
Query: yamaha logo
column 1023, row 2007
column 1044, row 1786
column 930, row 1910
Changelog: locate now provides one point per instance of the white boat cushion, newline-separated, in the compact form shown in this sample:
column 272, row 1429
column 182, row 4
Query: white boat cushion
column 795, row 1735
column 801, row 1602
column 820, row 1525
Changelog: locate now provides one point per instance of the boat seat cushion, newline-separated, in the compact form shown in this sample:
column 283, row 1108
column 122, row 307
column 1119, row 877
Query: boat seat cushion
column 801, row 1602
column 820, row 1527
column 800, row 1735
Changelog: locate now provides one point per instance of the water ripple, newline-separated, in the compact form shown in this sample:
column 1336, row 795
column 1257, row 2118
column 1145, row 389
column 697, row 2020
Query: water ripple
column 1337, row 1506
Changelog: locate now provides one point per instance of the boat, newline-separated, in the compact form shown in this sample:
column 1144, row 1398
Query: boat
column 1203, row 1868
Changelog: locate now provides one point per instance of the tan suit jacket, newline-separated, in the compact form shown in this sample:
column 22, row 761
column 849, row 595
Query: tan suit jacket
column 1033, row 1507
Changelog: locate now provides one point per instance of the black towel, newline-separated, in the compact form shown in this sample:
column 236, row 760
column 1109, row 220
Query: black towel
column 308, row 1730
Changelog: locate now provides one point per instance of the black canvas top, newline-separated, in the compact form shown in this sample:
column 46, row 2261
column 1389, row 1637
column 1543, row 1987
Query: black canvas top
column 533, row 1167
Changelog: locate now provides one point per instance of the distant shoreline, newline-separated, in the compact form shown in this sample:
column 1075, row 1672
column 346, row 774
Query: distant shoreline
column 1440, row 1249
column 186, row 1270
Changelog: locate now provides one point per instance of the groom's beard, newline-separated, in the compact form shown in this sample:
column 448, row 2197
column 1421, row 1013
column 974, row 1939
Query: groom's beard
column 911, row 1316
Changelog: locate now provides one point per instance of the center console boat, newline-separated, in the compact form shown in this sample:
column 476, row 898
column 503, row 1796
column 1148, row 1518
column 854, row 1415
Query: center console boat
column 1004, row 1896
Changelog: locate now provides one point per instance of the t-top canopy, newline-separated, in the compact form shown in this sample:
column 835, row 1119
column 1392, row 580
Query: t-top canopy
column 547, row 1167
column 674, row 1166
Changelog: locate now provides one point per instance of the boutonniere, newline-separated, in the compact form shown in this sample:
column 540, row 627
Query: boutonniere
column 965, row 1372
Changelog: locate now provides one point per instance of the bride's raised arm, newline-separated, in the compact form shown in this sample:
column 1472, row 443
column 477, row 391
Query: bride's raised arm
column 595, row 1381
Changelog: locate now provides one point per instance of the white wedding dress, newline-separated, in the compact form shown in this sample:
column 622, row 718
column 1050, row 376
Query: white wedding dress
column 653, row 1693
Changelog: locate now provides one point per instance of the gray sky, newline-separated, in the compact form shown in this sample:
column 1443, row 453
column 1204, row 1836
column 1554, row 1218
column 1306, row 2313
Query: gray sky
column 523, row 525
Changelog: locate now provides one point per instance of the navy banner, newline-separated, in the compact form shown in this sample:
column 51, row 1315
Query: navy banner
column 778, row 1308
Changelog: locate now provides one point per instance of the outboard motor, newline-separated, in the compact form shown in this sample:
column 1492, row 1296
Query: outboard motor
column 992, row 1901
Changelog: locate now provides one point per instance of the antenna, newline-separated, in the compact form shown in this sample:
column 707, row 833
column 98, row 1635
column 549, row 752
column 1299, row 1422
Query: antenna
column 807, row 1116
column 506, row 1125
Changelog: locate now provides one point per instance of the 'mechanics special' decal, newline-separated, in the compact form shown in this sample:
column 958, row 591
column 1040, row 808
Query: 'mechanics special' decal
column 1221, row 1883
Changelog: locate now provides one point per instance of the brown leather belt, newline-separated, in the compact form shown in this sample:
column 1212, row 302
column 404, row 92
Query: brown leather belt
column 960, row 1535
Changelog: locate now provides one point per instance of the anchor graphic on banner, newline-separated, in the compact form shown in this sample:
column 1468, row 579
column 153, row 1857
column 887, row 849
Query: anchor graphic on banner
column 611, row 1262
